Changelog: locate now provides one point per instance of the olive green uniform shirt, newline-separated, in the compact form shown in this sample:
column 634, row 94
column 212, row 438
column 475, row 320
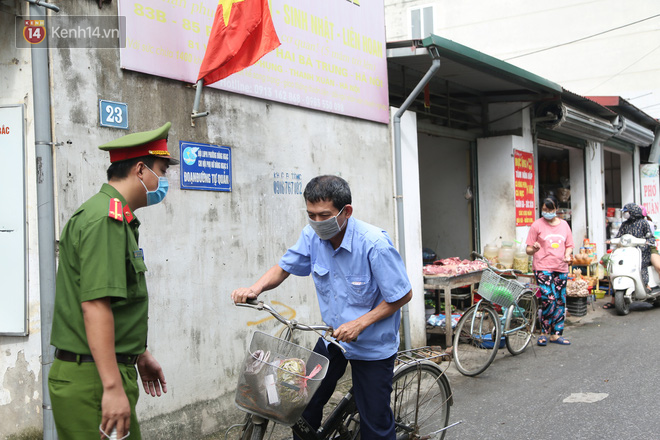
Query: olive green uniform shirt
column 100, row 257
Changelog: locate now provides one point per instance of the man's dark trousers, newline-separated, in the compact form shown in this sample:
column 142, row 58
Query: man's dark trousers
column 372, row 387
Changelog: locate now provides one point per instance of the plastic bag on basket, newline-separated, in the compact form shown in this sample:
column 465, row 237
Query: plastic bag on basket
column 257, row 361
column 291, row 382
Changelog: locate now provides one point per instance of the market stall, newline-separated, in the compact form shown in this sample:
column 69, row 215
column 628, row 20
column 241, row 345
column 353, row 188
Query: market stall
column 446, row 275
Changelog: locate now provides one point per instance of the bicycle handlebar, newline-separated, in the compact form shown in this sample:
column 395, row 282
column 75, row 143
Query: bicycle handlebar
column 481, row 258
column 292, row 323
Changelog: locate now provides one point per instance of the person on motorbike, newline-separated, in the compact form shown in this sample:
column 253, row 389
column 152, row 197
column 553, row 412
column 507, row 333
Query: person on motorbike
column 636, row 225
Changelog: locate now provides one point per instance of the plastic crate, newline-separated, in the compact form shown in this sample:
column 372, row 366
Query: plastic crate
column 576, row 305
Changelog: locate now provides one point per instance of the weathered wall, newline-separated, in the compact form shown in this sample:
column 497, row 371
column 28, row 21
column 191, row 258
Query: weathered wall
column 20, row 364
column 201, row 245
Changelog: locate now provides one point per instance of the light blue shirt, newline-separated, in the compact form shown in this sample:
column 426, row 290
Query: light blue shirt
column 352, row 280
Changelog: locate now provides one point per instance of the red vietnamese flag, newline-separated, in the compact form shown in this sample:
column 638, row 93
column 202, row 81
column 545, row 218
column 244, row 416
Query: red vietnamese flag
column 242, row 33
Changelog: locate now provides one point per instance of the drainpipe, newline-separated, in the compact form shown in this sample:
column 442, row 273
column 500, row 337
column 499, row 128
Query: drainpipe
column 435, row 65
column 45, row 211
column 654, row 154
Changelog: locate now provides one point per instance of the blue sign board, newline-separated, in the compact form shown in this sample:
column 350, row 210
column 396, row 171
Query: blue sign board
column 113, row 114
column 205, row 167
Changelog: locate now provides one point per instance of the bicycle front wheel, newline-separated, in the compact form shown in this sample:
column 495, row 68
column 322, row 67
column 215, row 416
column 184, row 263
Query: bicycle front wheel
column 253, row 431
column 520, row 323
column 476, row 340
column 420, row 402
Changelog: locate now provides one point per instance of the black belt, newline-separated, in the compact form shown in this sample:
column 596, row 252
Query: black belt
column 67, row 356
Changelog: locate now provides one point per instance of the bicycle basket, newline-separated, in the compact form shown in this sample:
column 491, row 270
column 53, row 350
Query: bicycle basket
column 499, row 290
column 278, row 378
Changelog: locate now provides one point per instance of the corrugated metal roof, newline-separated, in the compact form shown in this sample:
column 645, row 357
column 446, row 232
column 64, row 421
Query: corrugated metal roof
column 625, row 108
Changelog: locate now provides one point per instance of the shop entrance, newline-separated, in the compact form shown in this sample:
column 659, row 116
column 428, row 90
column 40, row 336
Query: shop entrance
column 561, row 174
column 446, row 196
column 619, row 183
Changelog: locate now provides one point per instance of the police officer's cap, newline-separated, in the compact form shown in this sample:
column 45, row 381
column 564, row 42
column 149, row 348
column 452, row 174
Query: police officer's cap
column 146, row 143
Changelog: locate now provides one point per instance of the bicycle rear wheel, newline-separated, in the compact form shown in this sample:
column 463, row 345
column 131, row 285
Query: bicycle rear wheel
column 521, row 316
column 476, row 340
column 420, row 401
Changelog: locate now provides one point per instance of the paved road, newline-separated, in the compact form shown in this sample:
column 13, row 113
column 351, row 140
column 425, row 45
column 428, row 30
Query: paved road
column 613, row 359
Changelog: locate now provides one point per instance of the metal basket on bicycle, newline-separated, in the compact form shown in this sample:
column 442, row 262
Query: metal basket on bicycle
column 499, row 290
column 278, row 378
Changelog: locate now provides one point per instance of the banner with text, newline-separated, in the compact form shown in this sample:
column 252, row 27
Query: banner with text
column 205, row 166
column 524, row 183
column 650, row 190
column 332, row 56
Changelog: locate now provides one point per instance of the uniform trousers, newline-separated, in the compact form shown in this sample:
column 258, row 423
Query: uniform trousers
column 76, row 392
column 372, row 387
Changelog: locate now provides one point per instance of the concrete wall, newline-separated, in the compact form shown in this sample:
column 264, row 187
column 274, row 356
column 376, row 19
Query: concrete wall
column 595, row 196
column 198, row 245
column 497, row 208
column 579, row 196
column 412, row 200
column 20, row 363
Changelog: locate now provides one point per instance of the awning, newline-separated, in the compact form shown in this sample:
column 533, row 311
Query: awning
column 466, row 82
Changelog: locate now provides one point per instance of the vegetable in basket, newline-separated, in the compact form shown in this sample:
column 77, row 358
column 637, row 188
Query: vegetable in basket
column 499, row 292
column 291, row 381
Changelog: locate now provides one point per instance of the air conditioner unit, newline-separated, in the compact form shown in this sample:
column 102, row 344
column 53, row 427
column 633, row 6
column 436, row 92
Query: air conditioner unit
column 632, row 132
column 571, row 121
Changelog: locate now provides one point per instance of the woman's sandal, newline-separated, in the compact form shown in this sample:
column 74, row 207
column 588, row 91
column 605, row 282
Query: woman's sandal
column 608, row 306
column 542, row 341
column 561, row 341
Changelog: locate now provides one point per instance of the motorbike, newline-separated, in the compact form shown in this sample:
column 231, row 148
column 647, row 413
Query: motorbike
column 625, row 268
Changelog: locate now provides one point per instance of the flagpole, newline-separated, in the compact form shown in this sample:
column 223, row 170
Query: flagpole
column 198, row 96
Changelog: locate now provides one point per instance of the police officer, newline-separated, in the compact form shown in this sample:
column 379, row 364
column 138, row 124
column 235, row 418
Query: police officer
column 101, row 302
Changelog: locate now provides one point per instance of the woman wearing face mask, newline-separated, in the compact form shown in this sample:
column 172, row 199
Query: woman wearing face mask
column 550, row 241
column 635, row 224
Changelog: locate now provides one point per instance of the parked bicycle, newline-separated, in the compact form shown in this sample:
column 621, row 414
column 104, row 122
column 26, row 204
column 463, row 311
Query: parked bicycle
column 279, row 378
column 480, row 330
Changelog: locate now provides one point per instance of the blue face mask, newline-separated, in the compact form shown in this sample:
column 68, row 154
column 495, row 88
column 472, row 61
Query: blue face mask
column 549, row 215
column 158, row 195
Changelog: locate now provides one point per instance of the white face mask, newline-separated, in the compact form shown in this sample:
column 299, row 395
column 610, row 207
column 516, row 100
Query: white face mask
column 626, row 215
column 326, row 229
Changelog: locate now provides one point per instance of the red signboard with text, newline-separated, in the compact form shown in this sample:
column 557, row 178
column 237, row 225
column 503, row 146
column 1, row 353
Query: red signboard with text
column 524, row 183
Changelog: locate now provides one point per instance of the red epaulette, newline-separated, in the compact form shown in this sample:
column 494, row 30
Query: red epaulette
column 115, row 211
column 128, row 214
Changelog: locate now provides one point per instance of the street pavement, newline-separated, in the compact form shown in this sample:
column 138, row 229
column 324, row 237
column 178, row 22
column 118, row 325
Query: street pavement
column 603, row 386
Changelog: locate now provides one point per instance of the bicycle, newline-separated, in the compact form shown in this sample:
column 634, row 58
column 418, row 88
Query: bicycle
column 480, row 330
column 421, row 394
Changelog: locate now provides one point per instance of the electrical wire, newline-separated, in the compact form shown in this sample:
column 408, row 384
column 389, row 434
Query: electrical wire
column 626, row 68
column 583, row 38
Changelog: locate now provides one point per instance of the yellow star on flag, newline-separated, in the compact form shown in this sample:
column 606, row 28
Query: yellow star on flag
column 226, row 8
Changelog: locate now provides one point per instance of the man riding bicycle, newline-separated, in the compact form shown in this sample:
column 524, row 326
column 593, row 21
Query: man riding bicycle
column 361, row 283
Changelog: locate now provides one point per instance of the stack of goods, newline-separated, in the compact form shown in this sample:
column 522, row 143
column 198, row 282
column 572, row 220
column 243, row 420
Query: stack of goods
column 583, row 258
column 439, row 320
column 615, row 220
column 578, row 285
column 453, row 266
